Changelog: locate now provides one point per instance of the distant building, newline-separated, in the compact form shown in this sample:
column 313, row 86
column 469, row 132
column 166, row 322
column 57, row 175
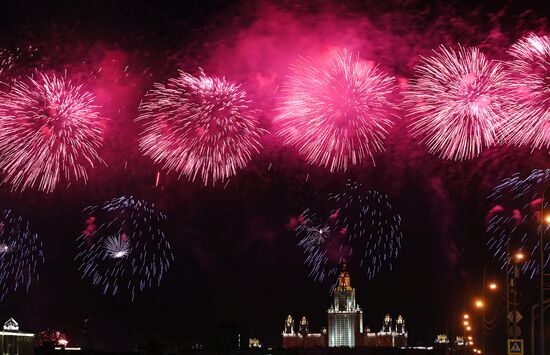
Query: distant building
column 303, row 338
column 441, row 339
column 441, row 343
column 345, row 325
column 392, row 337
column 15, row 342
column 345, row 317
column 254, row 343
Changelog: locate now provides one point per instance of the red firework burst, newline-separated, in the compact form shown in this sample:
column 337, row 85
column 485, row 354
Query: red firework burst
column 336, row 111
column 199, row 126
column 457, row 102
column 50, row 131
column 529, row 73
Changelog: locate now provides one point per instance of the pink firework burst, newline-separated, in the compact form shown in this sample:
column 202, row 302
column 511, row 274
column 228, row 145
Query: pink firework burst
column 199, row 126
column 336, row 111
column 457, row 102
column 50, row 131
column 6, row 60
column 529, row 70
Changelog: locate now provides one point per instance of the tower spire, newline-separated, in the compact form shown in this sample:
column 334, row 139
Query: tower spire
column 344, row 280
column 344, row 264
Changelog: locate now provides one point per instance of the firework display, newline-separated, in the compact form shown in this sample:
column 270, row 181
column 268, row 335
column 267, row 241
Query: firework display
column 14, row 62
column 332, row 113
column 457, row 102
column 50, row 132
column 514, row 222
column 52, row 337
column 320, row 240
column 21, row 253
column 6, row 60
column 361, row 228
column 529, row 73
column 336, row 111
column 123, row 247
column 199, row 127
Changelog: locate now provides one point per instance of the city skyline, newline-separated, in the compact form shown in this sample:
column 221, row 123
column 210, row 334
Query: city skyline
column 166, row 168
column 345, row 325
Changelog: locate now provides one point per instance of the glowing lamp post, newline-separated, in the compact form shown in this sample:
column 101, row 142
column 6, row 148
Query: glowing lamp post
column 519, row 257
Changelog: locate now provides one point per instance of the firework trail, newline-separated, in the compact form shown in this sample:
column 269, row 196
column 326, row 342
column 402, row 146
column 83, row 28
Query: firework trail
column 49, row 132
column 21, row 253
column 457, row 102
column 361, row 228
column 336, row 111
column 199, row 126
column 529, row 73
column 515, row 219
column 123, row 246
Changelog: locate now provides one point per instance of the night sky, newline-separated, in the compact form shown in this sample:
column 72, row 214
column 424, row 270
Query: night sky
column 236, row 258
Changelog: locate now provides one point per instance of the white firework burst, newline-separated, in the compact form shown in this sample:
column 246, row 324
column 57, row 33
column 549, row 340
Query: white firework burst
column 117, row 247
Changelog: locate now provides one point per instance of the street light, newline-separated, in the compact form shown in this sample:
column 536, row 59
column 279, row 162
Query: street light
column 492, row 286
column 519, row 257
column 468, row 328
column 466, row 323
column 541, row 269
column 479, row 304
column 466, row 316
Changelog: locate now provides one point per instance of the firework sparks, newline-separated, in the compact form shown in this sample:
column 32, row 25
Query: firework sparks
column 457, row 102
column 336, row 112
column 515, row 219
column 319, row 241
column 529, row 70
column 6, row 61
column 361, row 228
column 21, row 252
column 52, row 337
column 124, row 245
column 199, row 126
column 49, row 131
column 117, row 246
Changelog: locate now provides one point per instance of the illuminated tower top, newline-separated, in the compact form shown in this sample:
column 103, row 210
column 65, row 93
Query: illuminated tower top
column 400, row 325
column 386, row 328
column 289, row 325
column 344, row 280
column 304, row 329
column 344, row 294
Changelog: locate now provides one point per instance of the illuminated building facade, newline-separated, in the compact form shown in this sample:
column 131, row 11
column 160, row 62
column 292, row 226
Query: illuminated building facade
column 442, row 343
column 303, row 338
column 389, row 336
column 345, row 317
column 15, row 342
column 345, row 325
column 254, row 343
